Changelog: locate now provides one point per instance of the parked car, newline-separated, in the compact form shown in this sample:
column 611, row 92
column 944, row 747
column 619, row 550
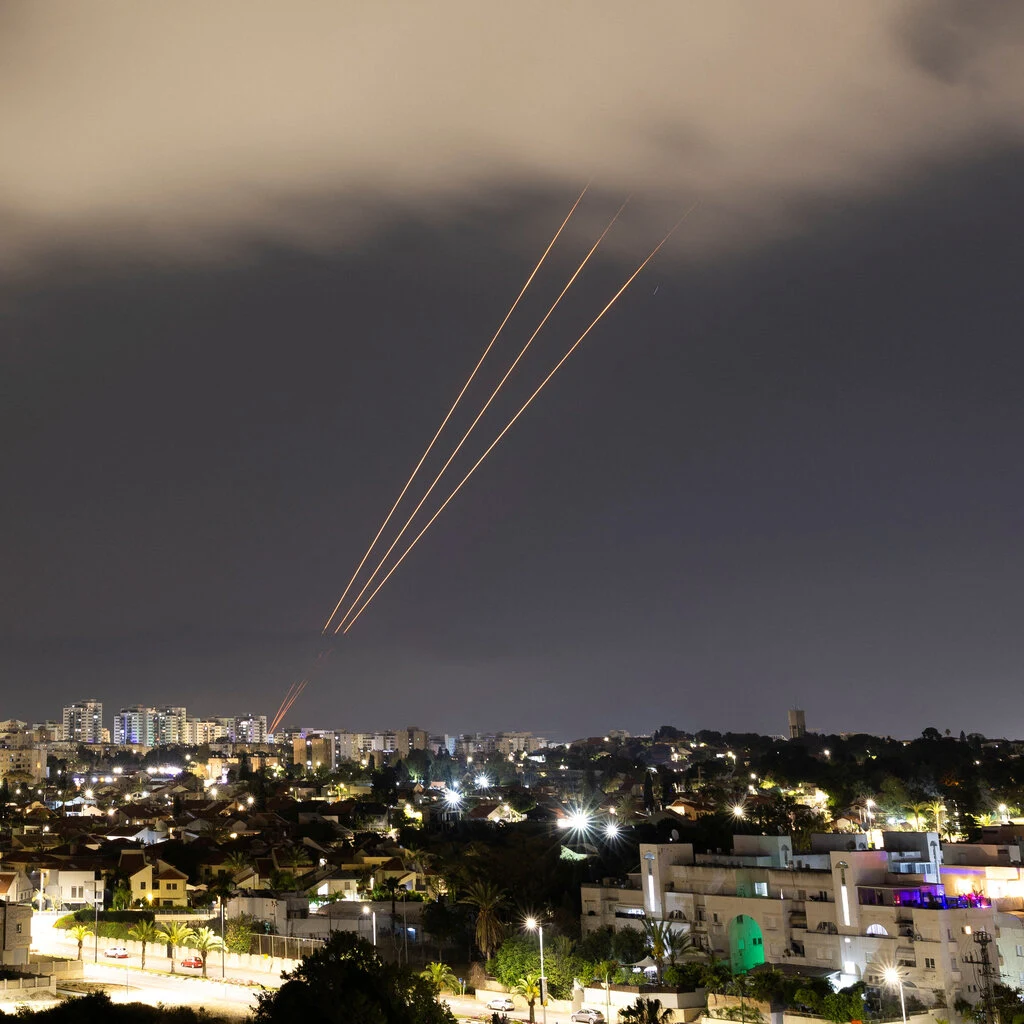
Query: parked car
column 586, row 1016
column 117, row 951
column 501, row 1003
column 192, row 961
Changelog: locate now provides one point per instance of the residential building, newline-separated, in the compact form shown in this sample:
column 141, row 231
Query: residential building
column 519, row 743
column 15, row 887
column 797, row 724
column 15, row 933
column 844, row 909
column 169, row 725
column 198, row 732
column 23, row 763
column 134, row 727
column 353, row 746
column 410, row 738
column 155, row 883
column 83, row 722
column 250, row 729
column 316, row 750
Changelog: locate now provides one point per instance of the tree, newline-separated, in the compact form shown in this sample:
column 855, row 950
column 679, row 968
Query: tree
column 345, row 982
column 236, row 861
column 144, row 932
column 121, row 898
column 645, row 1011
column 658, row 936
column 444, row 922
column 440, row 976
column 80, row 932
column 205, row 941
column 488, row 899
column 391, row 887
column 604, row 971
column 238, row 932
column 917, row 813
column 529, row 988
column 176, row 935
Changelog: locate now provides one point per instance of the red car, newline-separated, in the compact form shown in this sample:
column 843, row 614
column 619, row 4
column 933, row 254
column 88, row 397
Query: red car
column 192, row 961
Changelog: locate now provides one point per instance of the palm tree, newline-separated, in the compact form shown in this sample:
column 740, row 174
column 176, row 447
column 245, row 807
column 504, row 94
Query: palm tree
column 645, row 1011
column 80, row 932
column 529, row 988
column 144, row 932
column 205, row 941
column 917, row 813
column 176, row 934
column 679, row 943
column 604, row 971
column 236, row 861
column 122, row 897
column 391, row 887
column 488, row 899
column 938, row 811
column 659, row 936
column 440, row 976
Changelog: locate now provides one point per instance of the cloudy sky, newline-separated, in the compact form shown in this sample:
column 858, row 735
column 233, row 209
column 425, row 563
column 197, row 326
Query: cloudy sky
column 250, row 252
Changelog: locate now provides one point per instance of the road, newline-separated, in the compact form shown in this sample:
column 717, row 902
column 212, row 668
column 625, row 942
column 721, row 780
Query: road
column 469, row 1007
column 235, row 994
column 127, row 985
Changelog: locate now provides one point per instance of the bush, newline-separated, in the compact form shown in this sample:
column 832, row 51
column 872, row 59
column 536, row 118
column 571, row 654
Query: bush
column 87, row 916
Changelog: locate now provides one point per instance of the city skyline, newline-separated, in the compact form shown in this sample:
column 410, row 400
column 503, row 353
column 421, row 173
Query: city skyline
column 783, row 469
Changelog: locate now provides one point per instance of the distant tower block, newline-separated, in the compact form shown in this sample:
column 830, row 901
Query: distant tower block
column 797, row 724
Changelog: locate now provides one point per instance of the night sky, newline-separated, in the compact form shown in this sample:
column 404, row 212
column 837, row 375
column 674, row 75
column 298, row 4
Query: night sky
column 251, row 254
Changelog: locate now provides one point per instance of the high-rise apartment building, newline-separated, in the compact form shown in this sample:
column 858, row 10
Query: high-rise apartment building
column 797, row 724
column 251, row 729
column 133, row 726
column 168, row 725
column 315, row 750
column 83, row 721
column 197, row 732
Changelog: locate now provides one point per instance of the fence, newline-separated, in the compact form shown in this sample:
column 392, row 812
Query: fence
column 28, row 982
column 284, row 947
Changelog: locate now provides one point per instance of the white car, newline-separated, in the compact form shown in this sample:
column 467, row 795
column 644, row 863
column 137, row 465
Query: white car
column 586, row 1016
column 118, row 952
column 501, row 1003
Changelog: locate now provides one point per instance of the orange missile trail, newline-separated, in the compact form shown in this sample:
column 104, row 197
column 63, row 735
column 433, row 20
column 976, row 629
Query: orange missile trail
column 479, row 415
column 469, row 380
column 287, row 705
column 522, row 409
column 287, row 696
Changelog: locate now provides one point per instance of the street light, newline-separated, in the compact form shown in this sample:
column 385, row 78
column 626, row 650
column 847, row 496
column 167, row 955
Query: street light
column 532, row 923
column 367, row 910
column 96, row 920
column 893, row 978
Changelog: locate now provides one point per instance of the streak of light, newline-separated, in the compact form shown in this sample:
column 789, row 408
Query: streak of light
column 479, row 416
column 281, row 707
column 654, row 252
column 469, row 380
column 287, row 705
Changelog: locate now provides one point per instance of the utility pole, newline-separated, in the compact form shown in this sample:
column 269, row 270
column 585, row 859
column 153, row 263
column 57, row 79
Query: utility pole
column 988, row 974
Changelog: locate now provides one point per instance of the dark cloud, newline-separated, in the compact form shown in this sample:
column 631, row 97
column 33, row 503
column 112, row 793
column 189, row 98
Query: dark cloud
column 188, row 130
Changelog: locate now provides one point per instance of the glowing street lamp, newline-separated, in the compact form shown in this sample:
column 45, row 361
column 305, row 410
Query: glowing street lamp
column 373, row 913
column 738, row 811
column 892, row 977
column 611, row 830
column 533, row 924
